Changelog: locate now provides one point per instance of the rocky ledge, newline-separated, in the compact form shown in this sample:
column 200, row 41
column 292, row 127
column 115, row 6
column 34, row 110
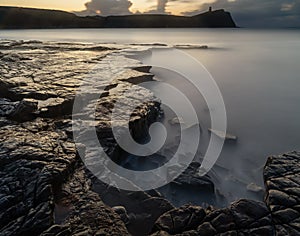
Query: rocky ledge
column 45, row 188
column 279, row 214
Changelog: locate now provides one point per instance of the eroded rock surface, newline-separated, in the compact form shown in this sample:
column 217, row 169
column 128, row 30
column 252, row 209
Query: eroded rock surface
column 82, row 211
column 35, row 158
column 278, row 215
column 282, row 178
column 45, row 188
column 243, row 217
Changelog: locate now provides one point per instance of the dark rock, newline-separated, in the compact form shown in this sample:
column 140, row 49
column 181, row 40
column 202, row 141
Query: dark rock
column 24, row 111
column 243, row 217
column 142, row 209
column 19, row 111
column 88, row 215
column 7, row 107
column 121, row 211
column 181, row 219
column 191, row 177
column 32, row 164
column 282, row 178
column 38, row 157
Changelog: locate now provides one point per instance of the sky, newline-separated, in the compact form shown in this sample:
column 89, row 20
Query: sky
column 246, row 13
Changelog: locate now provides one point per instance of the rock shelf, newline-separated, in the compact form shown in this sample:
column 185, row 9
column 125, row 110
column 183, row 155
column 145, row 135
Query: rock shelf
column 45, row 188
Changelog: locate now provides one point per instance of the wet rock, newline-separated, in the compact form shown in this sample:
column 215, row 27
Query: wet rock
column 199, row 190
column 142, row 209
column 38, row 158
column 87, row 215
column 7, row 107
column 243, row 217
column 33, row 163
column 44, row 77
column 61, row 230
column 181, row 219
column 282, row 175
column 278, row 215
column 25, row 110
column 191, row 177
column 121, row 211
column 19, row 111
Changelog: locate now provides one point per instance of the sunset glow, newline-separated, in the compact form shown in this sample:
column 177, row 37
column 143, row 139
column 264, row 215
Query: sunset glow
column 174, row 7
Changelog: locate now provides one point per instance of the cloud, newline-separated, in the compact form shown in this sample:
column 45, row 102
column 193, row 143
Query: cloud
column 161, row 5
column 159, row 8
column 258, row 13
column 106, row 7
column 246, row 13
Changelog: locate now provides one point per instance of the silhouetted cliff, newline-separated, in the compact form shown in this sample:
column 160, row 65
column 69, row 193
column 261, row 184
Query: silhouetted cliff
column 28, row 18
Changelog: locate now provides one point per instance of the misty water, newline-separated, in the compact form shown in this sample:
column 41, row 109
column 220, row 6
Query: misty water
column 258, row 74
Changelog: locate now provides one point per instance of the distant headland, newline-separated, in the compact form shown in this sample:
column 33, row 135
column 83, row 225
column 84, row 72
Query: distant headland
column 30, row 18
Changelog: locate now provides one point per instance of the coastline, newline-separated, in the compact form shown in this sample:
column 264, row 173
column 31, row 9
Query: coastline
column 40, row 179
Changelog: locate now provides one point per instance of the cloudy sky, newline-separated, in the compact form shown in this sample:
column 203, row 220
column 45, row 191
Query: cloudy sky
column 247, row 13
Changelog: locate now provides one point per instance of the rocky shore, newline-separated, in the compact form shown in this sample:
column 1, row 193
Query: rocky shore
column 45, row 188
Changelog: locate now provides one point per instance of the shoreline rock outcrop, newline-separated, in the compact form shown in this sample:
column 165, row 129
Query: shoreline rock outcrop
column 279, row 214
column 46, row 190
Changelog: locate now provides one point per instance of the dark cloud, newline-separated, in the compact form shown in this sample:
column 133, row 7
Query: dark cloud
column 107, row 7
column 259, row 13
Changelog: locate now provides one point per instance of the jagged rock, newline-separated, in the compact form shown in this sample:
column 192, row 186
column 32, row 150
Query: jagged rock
column 38, row 157
column 120, row 210
column 18, row 111
column 87, row 214
column 199, row 190
column 7, row 107
column 191, row 177
column 142, row 209
column 25, row 110
column 33, row 163
column 279, row 215
column 181, row 219
column 282, row 179
column 243, row 217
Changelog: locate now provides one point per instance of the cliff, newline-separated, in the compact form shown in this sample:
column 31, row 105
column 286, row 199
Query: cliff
column 28, row 18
